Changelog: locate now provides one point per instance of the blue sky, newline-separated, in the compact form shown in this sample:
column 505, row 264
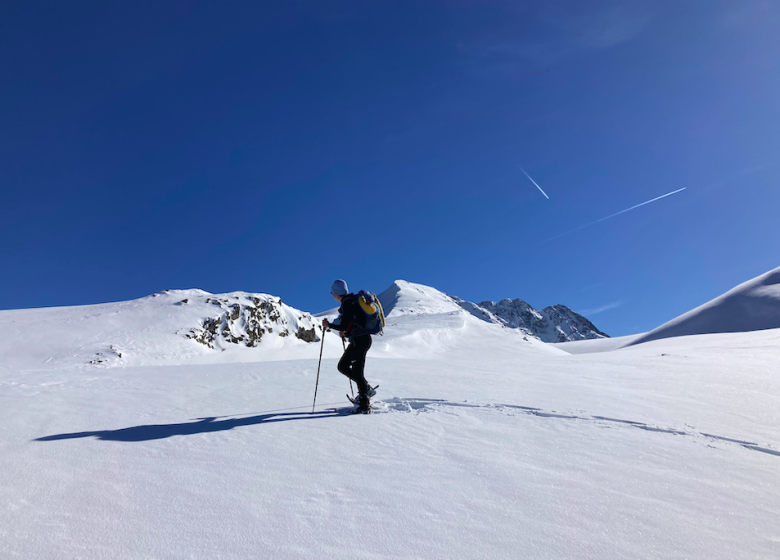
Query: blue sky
column 266, row 148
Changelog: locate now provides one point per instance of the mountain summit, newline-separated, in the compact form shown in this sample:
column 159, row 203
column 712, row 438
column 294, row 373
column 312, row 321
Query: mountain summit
column 408, row 298
column 556, row 323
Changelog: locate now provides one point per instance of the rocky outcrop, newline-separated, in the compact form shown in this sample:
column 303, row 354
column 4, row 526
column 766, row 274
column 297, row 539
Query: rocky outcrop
column 246, row 320
column 516, row 314
column 556, row 323
column 569, row 325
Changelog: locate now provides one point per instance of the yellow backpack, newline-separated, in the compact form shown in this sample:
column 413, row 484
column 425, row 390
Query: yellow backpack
column 375, row 315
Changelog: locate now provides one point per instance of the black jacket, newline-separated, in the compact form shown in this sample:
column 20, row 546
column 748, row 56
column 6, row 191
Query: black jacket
column 353, row 320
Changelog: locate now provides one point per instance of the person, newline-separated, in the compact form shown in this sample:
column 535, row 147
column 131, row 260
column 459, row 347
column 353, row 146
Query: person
column 351, row 325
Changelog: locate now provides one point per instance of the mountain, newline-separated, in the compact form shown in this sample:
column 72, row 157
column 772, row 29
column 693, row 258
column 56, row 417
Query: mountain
column 752, row 306
column 172, row 326
column 195, row 326
column 423, row 322
column 408, row 298
column 556, row 323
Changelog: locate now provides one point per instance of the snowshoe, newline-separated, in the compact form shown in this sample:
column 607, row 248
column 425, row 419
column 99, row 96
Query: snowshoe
column 363, row 402
column 363, row 406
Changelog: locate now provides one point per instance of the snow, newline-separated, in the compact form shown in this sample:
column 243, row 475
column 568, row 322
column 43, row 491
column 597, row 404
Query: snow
column 147, row 331
column 488, row 444
column 751, row 306
column 404, row 298
column 596, row 344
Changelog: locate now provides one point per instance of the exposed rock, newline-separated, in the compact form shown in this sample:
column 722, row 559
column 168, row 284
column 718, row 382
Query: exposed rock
column 307, row 335
column 247, row 321
column 570, row 325
column 556, row 323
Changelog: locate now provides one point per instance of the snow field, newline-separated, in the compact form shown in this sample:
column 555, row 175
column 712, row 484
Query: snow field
column 487, row 444
column 199, row 462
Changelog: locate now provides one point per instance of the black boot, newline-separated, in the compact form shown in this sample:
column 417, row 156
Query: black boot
column 364, row 404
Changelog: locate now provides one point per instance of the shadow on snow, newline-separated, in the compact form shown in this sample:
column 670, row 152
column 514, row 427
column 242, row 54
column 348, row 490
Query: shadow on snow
column 203, row 426
column 214, row 424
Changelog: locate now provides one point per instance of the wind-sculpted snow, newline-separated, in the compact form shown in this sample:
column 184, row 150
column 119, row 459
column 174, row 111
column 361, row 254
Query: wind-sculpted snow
column 752, row 306
column 407, row 298
column 397, row 404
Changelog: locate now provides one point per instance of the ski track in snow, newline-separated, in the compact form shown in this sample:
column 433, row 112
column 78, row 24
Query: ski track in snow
column 392, row 405
column 418, row 405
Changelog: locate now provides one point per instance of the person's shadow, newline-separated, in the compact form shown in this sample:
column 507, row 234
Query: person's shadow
column 203, row 425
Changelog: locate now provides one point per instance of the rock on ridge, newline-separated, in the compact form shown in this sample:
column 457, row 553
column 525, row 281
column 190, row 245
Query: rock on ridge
column 556, row 323
column 570, row 325
column 244, row 319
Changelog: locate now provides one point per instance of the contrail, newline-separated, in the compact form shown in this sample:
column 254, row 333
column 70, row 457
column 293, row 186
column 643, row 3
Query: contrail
column 534, row 182
column 618, row 213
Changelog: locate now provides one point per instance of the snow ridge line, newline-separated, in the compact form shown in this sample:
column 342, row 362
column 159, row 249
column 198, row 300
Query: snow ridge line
column 409, row 405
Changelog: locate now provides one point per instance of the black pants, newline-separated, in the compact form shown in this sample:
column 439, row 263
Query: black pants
column 353, row 362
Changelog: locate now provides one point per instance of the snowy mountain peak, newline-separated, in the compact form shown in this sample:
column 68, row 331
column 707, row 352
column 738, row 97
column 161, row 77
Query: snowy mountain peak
column 556, row 323
column 408, row 298
column 570, row 325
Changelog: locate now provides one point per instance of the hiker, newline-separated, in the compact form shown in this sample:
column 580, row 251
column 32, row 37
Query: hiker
column 351, row 325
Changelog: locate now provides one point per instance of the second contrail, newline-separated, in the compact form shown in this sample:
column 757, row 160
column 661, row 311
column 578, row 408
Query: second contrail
column 618, row 213
column 535, row 183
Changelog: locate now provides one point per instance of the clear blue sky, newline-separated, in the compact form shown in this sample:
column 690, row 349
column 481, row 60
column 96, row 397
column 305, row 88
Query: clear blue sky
column 275, row 146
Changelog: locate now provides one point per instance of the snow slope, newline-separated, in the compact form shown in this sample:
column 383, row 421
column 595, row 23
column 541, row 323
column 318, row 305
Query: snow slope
column 170, row 327
column 424, row 322
column 751, row 306
column 407, row 298
column 596, row 344
column 486, row 445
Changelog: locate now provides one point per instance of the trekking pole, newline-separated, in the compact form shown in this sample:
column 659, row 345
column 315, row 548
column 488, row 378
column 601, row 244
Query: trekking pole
column 344, row 345
column 316, row 386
